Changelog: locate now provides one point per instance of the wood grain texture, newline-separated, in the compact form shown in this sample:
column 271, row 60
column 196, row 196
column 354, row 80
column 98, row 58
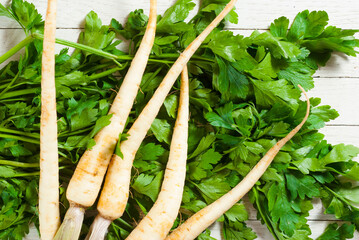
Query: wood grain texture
column 252, row 15
column 337, row 83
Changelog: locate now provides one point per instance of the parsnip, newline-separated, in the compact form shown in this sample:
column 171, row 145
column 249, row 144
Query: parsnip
column 159, row 220
column 201, row 220
column 114, row 194
column 49, row 213
column 86, row 182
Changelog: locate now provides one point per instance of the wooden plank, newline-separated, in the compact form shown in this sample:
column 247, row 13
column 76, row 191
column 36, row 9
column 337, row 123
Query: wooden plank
column 341, row 134
column 251, row 16
column 342, row 95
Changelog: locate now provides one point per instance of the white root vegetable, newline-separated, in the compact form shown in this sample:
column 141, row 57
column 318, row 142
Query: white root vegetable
column 49, row 213
column 86, row 182
column 159, row 220
column 201, row 220
column 114, row 194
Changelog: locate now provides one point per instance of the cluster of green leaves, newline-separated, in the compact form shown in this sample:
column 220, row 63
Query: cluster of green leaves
column 243, row 98
column 24, row 13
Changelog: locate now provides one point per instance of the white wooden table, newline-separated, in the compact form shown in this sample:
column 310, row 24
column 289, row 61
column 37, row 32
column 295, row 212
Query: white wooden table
column 337, row 84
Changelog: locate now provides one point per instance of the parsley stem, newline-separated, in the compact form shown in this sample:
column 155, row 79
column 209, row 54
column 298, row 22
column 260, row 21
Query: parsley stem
column 153, row 58
column 160, row 61
column 175, row 56
column 104, row 73
column 19, row 93
column 7, row 130
column 69, row 133
column 6, row 81
column 9, row 85
column 97, row 67
column 24, row 139
column 264, row 216
column 26, row 174
column 340, row 197
column 19, row 164
column 14, row 100
column 83, row 48
column 16, row 48
column 120, row 220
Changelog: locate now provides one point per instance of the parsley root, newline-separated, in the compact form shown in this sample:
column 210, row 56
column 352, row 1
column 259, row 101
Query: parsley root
column 49, row 213
column 198, row 222
column 159, row 220
column 114, row 194
column 87, row 179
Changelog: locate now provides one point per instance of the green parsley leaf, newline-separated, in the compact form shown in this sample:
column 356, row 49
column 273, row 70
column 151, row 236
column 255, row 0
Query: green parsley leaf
column 298, row 73
column 229, row 81
column 26, row 14
column 279, row 27
column 267, row 93
column 162, row 130
column 205, row 236
column 301, row 185
column 281, row 208
column 150, row 152
column 334, row 232
column 148, row 185
column 172, row 19
column 171, row 104
column 96, row 35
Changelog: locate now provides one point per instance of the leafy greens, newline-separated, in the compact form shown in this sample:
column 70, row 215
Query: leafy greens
column 243, row 98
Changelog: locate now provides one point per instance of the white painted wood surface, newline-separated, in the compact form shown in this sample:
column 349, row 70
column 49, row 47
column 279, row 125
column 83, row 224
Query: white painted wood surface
column 337, row 84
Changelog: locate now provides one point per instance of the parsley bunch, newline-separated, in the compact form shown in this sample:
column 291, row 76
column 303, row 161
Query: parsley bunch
column 243, row 98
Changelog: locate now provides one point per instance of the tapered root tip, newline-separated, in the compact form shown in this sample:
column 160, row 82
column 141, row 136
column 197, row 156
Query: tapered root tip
column 308, row 103
column 71, row 226
column 98, row 228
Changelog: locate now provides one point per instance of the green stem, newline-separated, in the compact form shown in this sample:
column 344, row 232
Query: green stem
column 260, row 211
column 16, row 48
column 83, row 48
column 6, row 81
column 161, row 61
column 19, row 93
column 97, row 67
column 340, row 197
column 6, row 130
column 92, row 50
column 9, row 85
column 24, row 139
column 14, row 100
column 175, row 56
column 26, row 174
column 103, row 74
column 153, row 75
column 19, row 164
column 78, row 132
column 126, row 224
